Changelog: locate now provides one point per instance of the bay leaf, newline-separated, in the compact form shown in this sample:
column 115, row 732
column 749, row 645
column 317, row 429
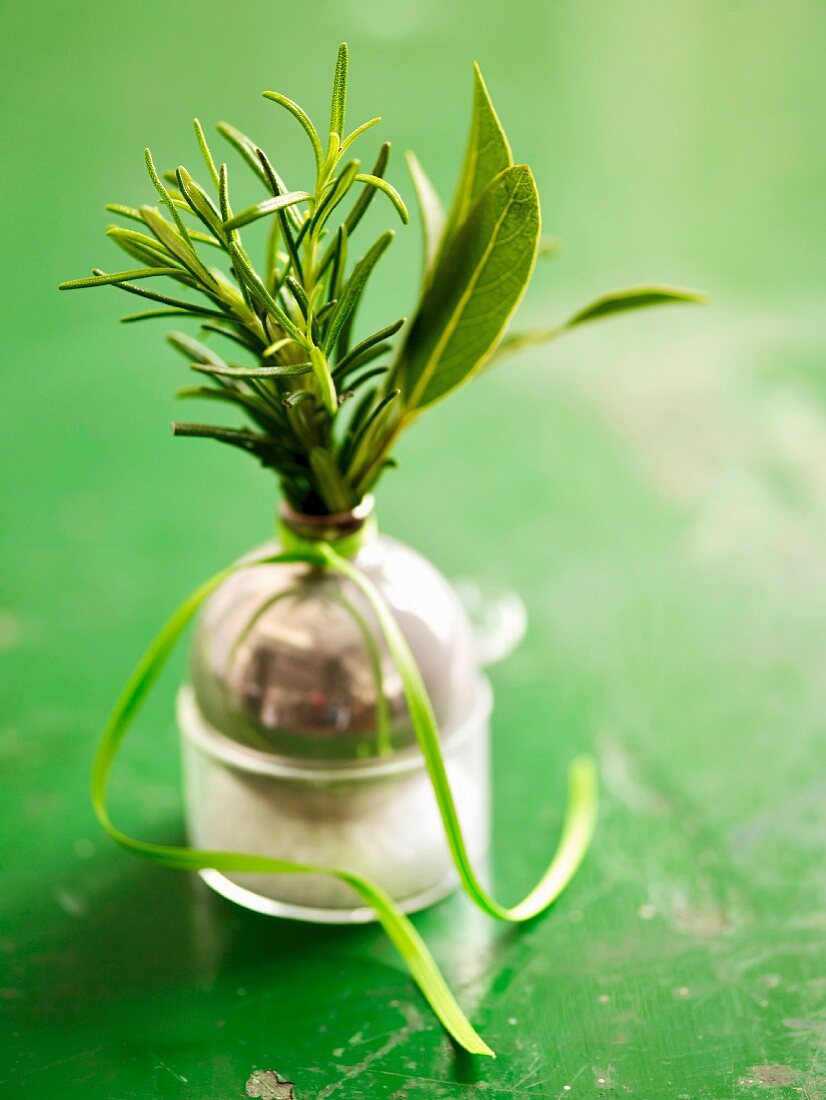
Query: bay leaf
column 488, row 153
column 476, row 286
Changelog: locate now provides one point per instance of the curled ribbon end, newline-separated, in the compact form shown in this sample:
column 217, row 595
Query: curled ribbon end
column 583, row 778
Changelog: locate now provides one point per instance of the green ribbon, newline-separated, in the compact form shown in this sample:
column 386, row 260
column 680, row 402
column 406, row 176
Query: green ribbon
column 577, row 829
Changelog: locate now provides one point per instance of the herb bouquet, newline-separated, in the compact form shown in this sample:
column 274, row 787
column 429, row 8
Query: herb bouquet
column 334, row 687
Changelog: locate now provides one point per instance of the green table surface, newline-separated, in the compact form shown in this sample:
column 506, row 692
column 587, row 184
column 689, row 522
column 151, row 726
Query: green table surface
column 655, row 489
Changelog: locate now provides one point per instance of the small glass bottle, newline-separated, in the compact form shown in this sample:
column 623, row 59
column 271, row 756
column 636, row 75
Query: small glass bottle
column 296, row 737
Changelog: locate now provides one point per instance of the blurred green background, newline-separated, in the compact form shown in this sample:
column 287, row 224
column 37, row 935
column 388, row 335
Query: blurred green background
column 655, row 487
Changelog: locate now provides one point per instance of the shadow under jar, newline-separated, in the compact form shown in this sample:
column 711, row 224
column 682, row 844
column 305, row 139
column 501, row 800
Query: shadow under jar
column 296, row 737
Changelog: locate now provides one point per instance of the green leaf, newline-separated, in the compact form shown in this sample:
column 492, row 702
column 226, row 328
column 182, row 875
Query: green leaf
column 333, row 489
column 359, row 130
column 252, row 442
column 261, row 294
column 118, row 277
column 391, row 192
column 266, row 206
column 487, row 154
column 234, row 297
column 173, row 194
column 130, row 212
column 254, row 156
column 297, row 397
column 339, row 264
column 135, row 215
column 336, row 191
column 324, row 379
column 253, row 406
column 223, row 198
column 194, row 349
column 147, row 250
column 432, row 214
column 339, row 97
column 359, row 450
column 363, row 406
column 164, row 299
column 374, row 372
column 244, row 145
column 353, row 289
column 278, row 370
column 367, row 355
column 475, row 288
column 325, row 311
column 304, row 119
column 360, row 206
column 174, row 243
column 240, row 335
column 353, row 358
column 199, row 202
column 618, row 301
column 637, row 297
column 366, row 197
column 183, row 232
column 154, row 314
column 299, row 295
column 272, row 256
column 205, row 238
column 287, row 215
column 205, row 151
column 278, row 345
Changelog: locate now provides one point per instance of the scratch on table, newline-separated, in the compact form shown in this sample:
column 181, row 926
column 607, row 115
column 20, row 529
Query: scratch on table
column 475, row 1087
column 626, row 785
column 170, row 1070
column 69, row 902
column 568, row 1087
column 531, row 1070
column 679, row 863
column 68, row 1058
column 413, row 1023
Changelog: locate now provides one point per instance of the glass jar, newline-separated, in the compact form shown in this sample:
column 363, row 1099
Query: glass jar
column 296, row 737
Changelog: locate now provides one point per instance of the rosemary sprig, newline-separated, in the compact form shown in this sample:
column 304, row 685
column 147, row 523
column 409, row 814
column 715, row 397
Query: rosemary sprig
column 294, row 318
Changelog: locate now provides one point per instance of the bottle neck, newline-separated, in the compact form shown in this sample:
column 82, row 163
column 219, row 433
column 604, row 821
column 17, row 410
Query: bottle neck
column 348, row 531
